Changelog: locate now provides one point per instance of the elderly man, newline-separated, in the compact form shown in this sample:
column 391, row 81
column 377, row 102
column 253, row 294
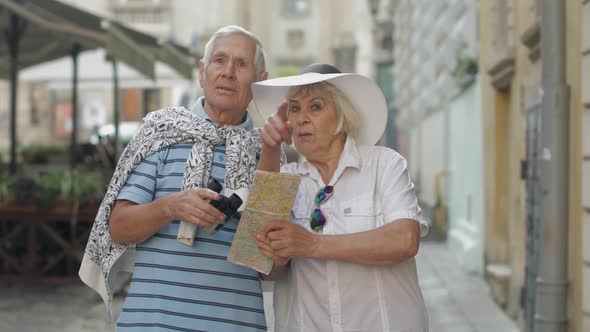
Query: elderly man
column 160, row 181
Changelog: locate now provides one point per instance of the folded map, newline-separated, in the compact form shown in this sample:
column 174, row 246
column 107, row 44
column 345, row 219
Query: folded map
column 271, row 198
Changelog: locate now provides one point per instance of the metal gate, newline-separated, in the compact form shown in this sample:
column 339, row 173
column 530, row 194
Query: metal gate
column 530, row 173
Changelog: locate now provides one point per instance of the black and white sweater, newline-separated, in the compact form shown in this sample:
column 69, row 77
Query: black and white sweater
column 103, row 259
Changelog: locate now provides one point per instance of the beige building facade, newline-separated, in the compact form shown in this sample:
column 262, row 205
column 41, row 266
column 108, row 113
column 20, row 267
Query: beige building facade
column 511, row 96
column 294, row 32
column 584, row 160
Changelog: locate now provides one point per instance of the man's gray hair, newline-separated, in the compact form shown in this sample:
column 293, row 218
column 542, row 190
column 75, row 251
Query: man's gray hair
column 259, row 58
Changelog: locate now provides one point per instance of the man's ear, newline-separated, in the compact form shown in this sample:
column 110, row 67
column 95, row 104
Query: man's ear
column 263, row 76
column 201, row 73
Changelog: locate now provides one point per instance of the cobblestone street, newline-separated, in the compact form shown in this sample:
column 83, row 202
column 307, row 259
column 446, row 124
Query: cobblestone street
column 456, row 302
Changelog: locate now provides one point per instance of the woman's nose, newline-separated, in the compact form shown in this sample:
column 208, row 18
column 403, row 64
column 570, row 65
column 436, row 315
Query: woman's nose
column 302, row 118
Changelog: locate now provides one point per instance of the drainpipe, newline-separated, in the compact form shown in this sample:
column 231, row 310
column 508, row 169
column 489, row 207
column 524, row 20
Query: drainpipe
column 552, row 279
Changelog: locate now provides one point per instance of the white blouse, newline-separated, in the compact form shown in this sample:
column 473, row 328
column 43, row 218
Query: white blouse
column 372, row 187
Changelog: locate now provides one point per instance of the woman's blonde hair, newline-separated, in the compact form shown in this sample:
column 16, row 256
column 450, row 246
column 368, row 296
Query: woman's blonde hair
column 348, row 117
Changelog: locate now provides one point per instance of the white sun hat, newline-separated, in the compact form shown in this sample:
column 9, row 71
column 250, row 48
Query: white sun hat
column 364, row 94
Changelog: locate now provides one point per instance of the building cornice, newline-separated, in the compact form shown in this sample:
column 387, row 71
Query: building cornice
column 502, row 70
column 531, row 38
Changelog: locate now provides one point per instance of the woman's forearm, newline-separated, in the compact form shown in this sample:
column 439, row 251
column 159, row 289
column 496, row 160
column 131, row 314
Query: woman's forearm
column 270, row 158
column 389, row 244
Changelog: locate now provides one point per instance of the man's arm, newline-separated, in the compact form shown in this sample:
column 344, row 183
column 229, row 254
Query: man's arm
column 132, row 223
column 388, row 244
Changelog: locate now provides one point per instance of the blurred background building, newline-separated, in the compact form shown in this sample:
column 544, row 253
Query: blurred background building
column 464, row 85
column 293, row 32
column 514, row 83
column 469, row 92
column 437, row 94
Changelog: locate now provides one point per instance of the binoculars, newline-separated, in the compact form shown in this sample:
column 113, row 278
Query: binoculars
column 226, row 205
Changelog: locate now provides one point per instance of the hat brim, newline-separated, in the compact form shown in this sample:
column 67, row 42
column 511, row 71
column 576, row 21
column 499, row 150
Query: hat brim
column 364, row 94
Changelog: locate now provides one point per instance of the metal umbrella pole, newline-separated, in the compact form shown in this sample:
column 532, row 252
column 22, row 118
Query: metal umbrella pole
column 74, row 138
column 13, row 36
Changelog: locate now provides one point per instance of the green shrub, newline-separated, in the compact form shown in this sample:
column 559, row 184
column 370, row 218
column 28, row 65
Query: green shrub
column 283, row 71
column 465, row 71
column 6, row 188
column 465, row 65
column 51, row 187
column 40, row 154
column 83, row 187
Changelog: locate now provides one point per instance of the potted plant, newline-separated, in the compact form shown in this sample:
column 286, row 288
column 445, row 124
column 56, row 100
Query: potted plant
column 25, row 190
column 33, row 154
column 6, row 189
column 465, row 71
column 51, row 188
column 42, row 154
column 83, row 188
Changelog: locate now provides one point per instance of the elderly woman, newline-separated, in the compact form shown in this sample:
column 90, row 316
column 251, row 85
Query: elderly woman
column 345, row 261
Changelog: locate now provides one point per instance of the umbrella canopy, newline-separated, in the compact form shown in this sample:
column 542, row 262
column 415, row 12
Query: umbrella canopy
column 47, row 30
column 95, row 71
column 37, row 31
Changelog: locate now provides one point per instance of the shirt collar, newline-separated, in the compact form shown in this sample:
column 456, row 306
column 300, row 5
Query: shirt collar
column 199, row 110
column 350, row 157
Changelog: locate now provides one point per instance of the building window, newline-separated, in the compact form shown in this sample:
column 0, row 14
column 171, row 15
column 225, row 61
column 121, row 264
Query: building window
column 141, row 11
column 344, row 52
column 138, row 2
column 296, row 7
column 151, row 100
column 344, row 58
column 295, row 38
column 37, row 100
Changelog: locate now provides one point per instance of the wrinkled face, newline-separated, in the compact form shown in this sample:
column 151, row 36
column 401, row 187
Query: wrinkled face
column 314, row 119
column 227, row 77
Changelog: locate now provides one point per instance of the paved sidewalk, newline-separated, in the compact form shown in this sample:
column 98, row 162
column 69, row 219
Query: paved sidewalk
column 73, row 308
column 456, row 302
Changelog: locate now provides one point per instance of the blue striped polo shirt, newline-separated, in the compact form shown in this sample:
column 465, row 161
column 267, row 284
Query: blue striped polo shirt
column 175, row 287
